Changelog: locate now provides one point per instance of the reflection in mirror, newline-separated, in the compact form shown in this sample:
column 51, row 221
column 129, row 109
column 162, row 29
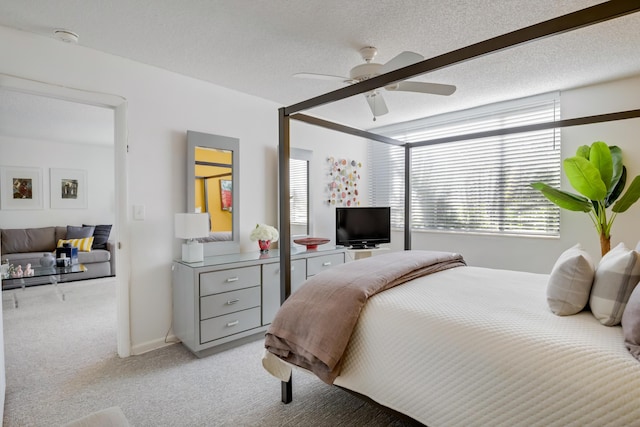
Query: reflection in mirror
column 300, row 203
column 212, row 186
column 213, row 190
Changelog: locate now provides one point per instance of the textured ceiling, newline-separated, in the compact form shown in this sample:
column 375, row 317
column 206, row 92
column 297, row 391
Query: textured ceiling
column 256, row 46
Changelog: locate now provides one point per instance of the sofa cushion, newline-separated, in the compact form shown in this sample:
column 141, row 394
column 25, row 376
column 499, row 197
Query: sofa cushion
column 79, row 232
column 97, row 255
column 28, row 240
column 100, row 235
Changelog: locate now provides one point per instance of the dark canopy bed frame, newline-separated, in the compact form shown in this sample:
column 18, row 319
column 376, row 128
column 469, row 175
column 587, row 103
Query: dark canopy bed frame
column 572, row 21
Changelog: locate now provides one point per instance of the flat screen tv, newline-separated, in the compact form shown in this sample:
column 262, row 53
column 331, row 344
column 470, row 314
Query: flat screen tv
column 363, row 227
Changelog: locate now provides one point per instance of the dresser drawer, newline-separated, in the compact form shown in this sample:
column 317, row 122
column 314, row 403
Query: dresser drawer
column 229, row 302
column 229, row 324
column 229, row 280
column 317, row 264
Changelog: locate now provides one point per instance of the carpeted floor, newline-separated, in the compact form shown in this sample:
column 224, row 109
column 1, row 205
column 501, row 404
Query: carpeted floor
column 61, row 364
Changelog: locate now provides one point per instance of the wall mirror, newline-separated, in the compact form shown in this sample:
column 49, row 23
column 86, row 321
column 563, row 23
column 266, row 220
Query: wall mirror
column 213, row 168
column 301, row 205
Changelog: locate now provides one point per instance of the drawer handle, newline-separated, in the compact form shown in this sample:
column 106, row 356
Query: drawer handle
column 326, row 264
column 232, row 301
column 278, row 270
column 232, row 279
column 234, row 323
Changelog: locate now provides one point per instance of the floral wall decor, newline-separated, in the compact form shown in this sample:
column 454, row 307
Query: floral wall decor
column 343, row 178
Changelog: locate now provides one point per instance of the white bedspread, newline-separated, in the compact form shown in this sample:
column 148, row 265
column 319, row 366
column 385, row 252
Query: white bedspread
column 479, row 347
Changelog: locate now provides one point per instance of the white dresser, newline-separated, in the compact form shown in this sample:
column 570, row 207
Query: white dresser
column 229, row 299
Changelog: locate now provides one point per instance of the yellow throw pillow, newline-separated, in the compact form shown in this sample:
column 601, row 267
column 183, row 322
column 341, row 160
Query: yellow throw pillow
column 83, row 245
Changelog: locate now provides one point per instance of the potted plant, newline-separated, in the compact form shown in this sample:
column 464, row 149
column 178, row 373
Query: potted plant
column 598, row 174
column 265, row 235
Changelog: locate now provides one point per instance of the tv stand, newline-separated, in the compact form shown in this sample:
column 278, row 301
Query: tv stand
column 364, row 252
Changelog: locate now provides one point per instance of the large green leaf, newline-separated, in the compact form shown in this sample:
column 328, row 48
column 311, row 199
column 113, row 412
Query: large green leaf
column 585, row 177
column 630, row 196
column 600, row 157
column 563, row 199
column 616, row 191
column 616, row 159
column 583, row 151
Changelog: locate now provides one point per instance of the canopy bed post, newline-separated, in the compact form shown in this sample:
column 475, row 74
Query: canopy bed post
column 407, row 197
column 284, row 153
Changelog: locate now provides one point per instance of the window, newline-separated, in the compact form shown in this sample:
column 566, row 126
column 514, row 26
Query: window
column 298, row 181
column 479, row 185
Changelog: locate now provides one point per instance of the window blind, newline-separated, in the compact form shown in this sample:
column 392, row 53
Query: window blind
column 479, row 185
column 298, row 178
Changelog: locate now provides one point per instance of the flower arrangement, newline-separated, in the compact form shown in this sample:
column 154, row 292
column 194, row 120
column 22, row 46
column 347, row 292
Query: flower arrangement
column 264, row 232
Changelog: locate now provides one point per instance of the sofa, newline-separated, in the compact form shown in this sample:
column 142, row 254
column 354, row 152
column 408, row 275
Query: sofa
column 22, row 246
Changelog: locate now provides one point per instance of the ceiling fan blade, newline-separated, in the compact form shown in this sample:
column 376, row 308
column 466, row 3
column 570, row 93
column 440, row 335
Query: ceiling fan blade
column 422, row 87
column 401, row 60
column 322, row 77
column 377, row 104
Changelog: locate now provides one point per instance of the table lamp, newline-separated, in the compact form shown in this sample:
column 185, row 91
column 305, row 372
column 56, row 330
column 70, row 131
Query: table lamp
column 191, row 226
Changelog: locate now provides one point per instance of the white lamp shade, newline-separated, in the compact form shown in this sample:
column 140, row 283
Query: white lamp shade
column 191, row 225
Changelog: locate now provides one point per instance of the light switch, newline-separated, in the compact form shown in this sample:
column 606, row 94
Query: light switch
column 138, row 212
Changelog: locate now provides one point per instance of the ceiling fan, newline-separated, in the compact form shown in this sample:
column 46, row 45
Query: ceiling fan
column 371, row 69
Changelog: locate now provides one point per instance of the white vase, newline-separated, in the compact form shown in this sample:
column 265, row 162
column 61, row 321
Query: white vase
column 47, row 260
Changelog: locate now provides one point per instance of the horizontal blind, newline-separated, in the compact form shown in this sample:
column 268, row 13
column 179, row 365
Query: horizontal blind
column 386, row 181
column 482, row 185
column 298, row 178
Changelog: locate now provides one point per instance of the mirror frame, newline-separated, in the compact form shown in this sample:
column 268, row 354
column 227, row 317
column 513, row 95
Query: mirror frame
column 199, row 139
column 306, row 155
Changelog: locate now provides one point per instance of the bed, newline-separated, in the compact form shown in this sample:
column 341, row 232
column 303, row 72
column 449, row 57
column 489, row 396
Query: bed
column 477, row 346
column 487, row 351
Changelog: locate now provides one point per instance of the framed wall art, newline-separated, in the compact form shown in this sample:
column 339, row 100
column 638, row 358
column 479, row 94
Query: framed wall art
column 68, row 189
column 20, row 188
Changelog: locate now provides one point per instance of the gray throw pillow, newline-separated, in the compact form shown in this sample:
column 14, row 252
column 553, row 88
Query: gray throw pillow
column 616, row 277
column 631, row 323
column 100, row 235
column 79, row 232
column 570, row 282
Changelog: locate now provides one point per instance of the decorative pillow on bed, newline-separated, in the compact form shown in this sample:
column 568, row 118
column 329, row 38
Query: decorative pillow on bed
column 617, row 275
column 631, row 323
column 570, row 282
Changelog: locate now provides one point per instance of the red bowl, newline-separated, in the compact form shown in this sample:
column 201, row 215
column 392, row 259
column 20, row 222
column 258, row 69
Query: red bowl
column 311, row 242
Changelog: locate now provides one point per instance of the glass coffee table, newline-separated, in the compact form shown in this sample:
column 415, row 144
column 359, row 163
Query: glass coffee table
column 53, row 273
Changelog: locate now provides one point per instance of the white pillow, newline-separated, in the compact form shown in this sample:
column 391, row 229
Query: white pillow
column 570, row 282
column 616, row 276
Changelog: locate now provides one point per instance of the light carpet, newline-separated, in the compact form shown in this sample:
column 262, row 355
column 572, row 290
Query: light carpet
column 61, row 364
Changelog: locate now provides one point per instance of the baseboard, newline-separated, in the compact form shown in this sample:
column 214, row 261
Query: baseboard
column 154, row 345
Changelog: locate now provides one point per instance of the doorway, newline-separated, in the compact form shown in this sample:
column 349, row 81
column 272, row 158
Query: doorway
column 119, row 107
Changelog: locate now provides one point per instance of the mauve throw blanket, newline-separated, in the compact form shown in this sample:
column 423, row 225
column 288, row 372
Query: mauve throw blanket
column 313, row 326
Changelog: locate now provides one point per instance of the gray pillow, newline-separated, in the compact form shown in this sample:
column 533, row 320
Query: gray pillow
column 100, row 235
column 570, row 282
column 617, row 275
column 631, row 323
column 79, row 232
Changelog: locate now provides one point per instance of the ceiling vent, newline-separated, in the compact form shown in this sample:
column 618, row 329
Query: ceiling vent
column 66, row 36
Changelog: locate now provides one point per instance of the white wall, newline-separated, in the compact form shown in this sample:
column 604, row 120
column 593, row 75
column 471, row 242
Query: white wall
column 325, row 144
column 97, row 160
column 539, row 254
